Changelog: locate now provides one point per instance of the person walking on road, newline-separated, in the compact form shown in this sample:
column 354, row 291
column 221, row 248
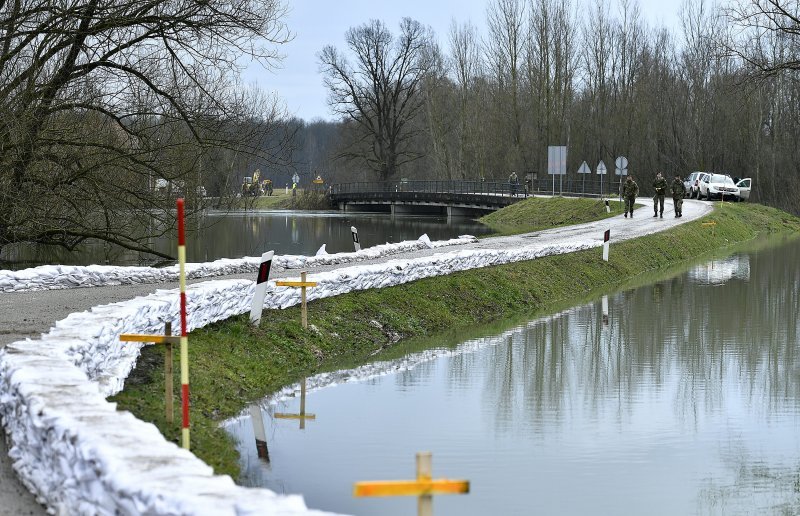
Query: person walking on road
column 513, row 182
column 660, row 186
column 678, row 193
column 629, row 192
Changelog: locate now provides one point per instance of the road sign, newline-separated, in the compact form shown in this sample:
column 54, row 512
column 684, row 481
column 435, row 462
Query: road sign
column 584, row 169
column 556, row 160
column 622, row 166
column 295, row 178
column 601, row 168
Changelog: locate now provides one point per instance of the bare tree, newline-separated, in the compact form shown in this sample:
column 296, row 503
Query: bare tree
column 99, row 99
column 504, row 48
column 380, row 92
column 758, row 23
column 466, row 68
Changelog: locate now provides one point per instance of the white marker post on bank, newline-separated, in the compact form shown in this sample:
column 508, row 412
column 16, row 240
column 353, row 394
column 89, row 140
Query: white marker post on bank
column 606, row 238
column 261, row 288
column 356, row 243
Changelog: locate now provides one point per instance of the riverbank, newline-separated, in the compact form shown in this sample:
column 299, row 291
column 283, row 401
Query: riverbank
column 234, row 364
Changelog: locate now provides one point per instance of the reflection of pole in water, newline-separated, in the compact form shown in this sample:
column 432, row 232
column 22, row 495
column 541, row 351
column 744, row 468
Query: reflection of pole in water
column 259, row 432
column 605, row 310
column 302, row 416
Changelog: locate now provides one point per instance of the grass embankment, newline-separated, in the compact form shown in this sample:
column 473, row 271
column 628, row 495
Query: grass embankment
column 233, row 364
column 279, row 200
column 537, row 213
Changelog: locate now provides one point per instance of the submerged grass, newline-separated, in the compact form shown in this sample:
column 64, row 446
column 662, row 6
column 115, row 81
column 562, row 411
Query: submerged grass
column 233, row 364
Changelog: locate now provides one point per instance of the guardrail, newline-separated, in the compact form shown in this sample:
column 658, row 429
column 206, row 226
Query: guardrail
column 544, row 186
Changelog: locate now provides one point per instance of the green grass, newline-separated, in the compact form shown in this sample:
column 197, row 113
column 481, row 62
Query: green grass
column 537, row 213
column 233, row 364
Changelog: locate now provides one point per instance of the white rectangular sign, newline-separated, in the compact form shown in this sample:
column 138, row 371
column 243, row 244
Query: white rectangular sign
column 557, row 160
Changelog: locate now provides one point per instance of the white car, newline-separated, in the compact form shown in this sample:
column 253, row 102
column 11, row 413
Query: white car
column 718, row 186
column 692, row 184
column 744, row 187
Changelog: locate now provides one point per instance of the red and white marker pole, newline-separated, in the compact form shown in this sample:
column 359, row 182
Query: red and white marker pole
column 606, row 238
column 356, row 243
column 261, row 288
column 184, row 334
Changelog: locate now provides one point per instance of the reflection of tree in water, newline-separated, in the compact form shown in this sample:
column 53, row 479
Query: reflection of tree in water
column 753, row 482
column 712, row 341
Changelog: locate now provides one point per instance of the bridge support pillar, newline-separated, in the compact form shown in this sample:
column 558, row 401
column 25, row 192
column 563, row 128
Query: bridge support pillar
column 449, row 214
column 393, row 208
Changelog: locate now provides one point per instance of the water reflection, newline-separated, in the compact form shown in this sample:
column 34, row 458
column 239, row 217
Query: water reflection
column 717, row 272
column 672, row 398
column 238, row 234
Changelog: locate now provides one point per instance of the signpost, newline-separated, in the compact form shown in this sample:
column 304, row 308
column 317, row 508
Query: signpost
column 621, row 170
column 424, row 487
column 356, row 243
column 583, row 170
column 261, row 288
column 303, row 284
column 622, row 166
column 557, row 165
column 601, row 171
column 168, row 340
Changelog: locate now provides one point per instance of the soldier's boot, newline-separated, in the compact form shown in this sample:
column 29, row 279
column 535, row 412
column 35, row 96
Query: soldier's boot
column 661, row 215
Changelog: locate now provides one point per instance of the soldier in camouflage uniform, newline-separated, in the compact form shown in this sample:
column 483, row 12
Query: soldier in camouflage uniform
column 629, row 192
column 660, row 186
column 678, row 193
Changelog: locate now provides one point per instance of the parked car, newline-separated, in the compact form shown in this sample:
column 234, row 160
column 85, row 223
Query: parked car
column 718, row 186
column 692, row 184
column 744, row 186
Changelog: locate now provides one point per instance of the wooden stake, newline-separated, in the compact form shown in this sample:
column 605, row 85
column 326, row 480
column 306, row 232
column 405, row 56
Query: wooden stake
column 303, row 305
column 424, row 474
column 302, row 284
column 168, row 392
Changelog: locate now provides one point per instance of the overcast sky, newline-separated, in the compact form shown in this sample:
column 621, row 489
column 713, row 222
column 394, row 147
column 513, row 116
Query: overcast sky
column 316, row 23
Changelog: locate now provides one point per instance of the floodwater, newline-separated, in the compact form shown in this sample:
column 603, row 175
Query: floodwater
column 238, row 234
column 684, row 399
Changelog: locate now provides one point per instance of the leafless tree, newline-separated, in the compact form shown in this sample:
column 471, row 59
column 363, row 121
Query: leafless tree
column 761, row 26
column 101, row 99
column 380, row 92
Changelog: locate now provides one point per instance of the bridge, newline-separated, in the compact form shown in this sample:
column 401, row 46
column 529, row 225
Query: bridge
column 457, row 198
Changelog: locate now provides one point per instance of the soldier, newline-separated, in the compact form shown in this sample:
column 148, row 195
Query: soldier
column 513, row 182
column 629, row 192
column 678, row 193
column 660, row 185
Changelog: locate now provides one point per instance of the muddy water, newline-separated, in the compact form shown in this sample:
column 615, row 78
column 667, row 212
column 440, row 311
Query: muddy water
column 684, row 399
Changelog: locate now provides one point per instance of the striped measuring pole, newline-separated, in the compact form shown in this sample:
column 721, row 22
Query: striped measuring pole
column 184, row 335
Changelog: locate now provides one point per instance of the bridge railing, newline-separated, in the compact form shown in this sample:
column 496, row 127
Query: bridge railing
column 544, row 186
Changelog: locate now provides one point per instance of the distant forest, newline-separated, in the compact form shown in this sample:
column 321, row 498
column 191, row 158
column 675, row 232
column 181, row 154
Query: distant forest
column 722, row 94
column 111, row 110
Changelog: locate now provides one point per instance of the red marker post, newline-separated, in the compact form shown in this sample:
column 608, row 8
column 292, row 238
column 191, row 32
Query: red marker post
column 184, row 341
